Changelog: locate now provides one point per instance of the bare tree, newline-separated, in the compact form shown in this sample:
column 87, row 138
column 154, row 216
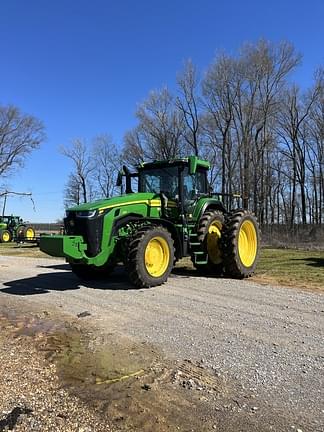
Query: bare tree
column 159, row 134
column 219, row 91
column 262, row 73
column 19, row 135
column 188, row 105
column 107, row 162
column 79, row 153
column 72, row 192
column 315, row 148
column 291, row 129
column 133, row 151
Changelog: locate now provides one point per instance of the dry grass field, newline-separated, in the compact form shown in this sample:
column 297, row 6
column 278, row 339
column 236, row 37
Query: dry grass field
column 292, row 267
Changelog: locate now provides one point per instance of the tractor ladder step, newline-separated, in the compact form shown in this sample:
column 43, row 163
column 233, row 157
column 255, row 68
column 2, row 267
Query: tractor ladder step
column 193, row 240
column 193, row 235
column 200, row 257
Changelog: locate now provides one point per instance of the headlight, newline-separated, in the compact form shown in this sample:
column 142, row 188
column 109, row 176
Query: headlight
column 86, row 213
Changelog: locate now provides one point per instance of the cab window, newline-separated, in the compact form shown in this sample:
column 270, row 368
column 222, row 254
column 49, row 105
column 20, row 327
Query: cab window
column 159, row 180
column 194, row 184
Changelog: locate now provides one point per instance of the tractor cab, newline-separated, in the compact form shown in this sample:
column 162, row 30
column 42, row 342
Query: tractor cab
column 181, row 181
column 178, row 180
column 11, row 221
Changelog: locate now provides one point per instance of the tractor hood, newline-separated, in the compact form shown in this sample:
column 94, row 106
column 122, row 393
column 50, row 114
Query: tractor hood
column 133, row 198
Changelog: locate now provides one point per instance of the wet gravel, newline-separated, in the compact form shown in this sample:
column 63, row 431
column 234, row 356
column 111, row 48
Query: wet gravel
column 268, row 341
column 31, row 395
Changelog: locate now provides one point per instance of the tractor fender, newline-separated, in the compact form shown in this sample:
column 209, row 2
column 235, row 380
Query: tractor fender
column 211, row 205
column 134, row 217
column 124, row 220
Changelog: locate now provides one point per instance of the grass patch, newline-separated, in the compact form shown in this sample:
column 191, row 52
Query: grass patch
column 23, row 249
column 297, row 268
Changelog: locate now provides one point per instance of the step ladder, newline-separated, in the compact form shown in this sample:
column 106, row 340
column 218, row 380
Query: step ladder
column 199, row 256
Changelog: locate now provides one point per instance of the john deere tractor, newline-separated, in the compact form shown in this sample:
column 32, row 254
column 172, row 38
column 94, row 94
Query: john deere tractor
column 13, row 228
column 172, row 215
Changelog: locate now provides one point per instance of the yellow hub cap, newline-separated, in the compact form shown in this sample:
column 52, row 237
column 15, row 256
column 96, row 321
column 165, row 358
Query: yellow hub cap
column 30, row 233
column 157, row 256
column 5, row 237
column 213, row 244
column 247, row 243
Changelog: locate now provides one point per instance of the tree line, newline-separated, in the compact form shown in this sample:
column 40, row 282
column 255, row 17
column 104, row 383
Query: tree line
column 263, row 135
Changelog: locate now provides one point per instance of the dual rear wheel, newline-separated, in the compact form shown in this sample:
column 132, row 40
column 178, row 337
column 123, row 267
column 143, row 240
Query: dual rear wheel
column 231, row 243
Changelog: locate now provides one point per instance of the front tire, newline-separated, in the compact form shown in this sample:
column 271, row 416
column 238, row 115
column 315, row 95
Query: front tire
column 5, row 236
column 150, row 257
column 241, row 244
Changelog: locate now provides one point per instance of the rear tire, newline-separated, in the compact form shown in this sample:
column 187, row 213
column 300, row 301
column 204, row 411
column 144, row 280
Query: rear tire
column 209, row 235
column 240, row 242
column 20, row 232
column 150, row 256
column 29, row 233
column 5, row 236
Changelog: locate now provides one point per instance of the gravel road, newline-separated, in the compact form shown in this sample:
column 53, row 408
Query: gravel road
column 267, row 342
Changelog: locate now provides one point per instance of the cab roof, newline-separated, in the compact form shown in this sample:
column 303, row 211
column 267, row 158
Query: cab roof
column 193, row 161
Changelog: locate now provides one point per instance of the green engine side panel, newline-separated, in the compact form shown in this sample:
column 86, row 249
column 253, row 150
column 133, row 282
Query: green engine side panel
column 74, row 248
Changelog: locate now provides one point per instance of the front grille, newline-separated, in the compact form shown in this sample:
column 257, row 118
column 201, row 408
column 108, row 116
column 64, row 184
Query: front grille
column 89, row 228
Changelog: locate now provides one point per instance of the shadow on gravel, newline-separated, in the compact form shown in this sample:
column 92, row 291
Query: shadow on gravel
column 9, row 422
column 312, row 261
column 67, row 281
column 188, row 273
column 56, row 266
column 64, row 281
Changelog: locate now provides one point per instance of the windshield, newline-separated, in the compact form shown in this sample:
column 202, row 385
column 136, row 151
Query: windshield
column 159, row 180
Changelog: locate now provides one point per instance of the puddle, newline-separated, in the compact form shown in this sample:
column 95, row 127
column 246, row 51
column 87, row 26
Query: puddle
column 68, row 348
column 125, row 382
column 130, row 386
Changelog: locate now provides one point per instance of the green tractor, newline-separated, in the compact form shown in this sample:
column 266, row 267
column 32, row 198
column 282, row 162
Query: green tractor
column 172, row 215
column 13, row 228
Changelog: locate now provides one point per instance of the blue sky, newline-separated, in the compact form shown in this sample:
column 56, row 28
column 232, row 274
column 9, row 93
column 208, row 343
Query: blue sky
column 82, row 66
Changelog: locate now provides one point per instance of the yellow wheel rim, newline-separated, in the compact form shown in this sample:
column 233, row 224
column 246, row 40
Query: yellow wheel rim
column 157, row 256
column 5, row 237
column 247, row 243
column 213, row 242
column 30, row 233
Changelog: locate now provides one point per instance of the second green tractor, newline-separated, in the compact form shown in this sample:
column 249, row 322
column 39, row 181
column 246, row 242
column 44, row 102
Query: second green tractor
column 172, row 215
column 14, row 228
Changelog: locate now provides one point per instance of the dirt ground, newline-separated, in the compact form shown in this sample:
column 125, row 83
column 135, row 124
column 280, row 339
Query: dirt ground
column 196, row 354
column 56, row 377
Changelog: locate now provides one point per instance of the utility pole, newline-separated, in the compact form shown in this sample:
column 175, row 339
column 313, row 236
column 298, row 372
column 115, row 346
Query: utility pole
column 6, row 193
